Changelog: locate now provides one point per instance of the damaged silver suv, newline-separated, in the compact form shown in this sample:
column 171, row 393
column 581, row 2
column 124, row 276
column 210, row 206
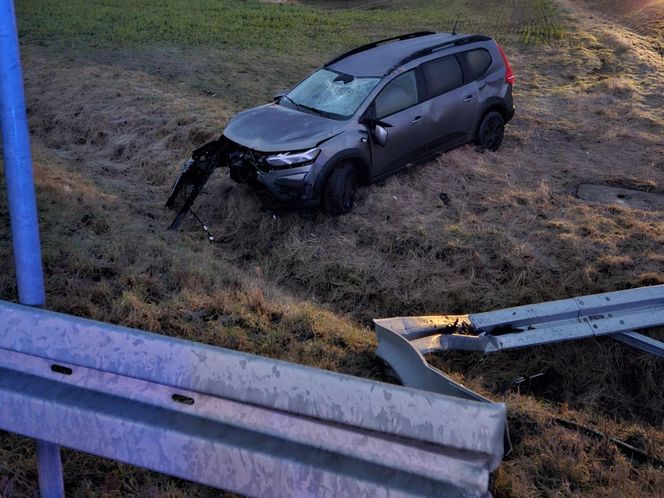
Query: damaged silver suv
column 363, row 116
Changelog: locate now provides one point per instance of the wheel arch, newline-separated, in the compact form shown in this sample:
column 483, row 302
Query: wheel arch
column 355, row 158
column 493, row 104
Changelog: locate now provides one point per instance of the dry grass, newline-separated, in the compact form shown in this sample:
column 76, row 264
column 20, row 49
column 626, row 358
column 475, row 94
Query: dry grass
column 109, row 134
column 646, row 17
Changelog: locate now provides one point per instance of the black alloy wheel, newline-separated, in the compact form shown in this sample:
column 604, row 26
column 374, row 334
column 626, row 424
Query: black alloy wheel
column 491, row 132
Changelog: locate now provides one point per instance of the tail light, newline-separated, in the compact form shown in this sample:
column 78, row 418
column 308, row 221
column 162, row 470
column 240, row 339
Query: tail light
column 509, row 73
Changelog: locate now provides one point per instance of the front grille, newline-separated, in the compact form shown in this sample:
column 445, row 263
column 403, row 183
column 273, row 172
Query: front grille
column 246, row 158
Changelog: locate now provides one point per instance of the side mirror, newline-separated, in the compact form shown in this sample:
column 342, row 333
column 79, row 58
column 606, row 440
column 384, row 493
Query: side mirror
column 380, row 135
column 277, row 96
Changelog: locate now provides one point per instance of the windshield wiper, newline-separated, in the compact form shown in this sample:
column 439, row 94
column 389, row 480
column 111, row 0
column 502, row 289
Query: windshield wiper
column 297, row 106
column 325, row 114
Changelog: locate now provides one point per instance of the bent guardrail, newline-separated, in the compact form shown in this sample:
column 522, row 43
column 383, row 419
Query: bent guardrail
column 404, row 341
column 239, row 422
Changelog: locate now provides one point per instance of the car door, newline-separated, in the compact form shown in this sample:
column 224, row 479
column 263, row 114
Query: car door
column 454, row 103
column 481, row 81
column 400, row 109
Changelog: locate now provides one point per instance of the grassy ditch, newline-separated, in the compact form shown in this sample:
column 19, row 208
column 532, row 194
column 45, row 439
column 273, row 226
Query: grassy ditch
column 118, row 96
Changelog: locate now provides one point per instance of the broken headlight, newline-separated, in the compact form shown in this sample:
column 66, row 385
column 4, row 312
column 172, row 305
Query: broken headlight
column 288, row 159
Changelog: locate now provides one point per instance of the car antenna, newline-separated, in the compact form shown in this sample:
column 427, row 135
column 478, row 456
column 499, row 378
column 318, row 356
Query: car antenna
column 455, row 24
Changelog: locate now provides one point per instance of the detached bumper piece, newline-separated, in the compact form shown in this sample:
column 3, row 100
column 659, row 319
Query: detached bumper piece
column 194, row 175
column 235, row 421
column 403, row 342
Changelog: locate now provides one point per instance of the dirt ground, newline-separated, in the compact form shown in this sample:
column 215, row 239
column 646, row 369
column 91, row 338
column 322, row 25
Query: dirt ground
column 110, row 131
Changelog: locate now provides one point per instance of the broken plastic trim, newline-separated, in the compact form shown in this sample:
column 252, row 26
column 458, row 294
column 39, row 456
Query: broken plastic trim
column 194, row 175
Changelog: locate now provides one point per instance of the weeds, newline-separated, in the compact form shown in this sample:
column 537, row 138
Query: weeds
column 467, row 232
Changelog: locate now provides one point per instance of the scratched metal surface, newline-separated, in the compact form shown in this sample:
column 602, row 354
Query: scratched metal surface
column 403, row 341
column 255, row 426
column 568, row 319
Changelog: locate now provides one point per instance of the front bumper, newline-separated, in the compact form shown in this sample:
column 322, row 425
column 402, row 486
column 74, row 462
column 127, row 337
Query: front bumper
column 287, row 186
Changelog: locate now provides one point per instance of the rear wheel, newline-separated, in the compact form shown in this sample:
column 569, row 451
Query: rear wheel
column 339, row 191
column 491, row 131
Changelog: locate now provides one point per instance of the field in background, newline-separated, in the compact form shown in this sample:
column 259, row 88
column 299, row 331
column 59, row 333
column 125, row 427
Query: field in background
column 645, row 17
column 327, row 26
column 118, row 96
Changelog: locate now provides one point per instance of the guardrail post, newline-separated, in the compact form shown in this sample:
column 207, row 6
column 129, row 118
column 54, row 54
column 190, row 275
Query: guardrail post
column 23, row 209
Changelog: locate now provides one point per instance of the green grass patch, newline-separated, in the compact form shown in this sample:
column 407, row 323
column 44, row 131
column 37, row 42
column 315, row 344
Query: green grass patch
column 270, row 26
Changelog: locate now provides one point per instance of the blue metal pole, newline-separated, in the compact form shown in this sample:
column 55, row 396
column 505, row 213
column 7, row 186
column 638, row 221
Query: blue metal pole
column 18, row 164
column 49, row 466
column 23, row 209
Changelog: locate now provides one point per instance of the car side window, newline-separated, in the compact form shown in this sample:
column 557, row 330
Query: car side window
column 442, row 75
column 398, row 94
column 476, row 63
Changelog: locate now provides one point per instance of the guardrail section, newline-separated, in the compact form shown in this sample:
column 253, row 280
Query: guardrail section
column 239, row 422
column 403, row 341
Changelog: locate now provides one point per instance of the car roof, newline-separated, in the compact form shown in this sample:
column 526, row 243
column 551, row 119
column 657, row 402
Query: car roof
column 380, row 58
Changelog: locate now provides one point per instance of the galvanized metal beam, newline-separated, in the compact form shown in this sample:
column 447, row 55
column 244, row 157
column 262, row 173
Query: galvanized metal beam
column 642, row 342
column 404, row 341
column 243, row 423
column 532, row 325
column 576, row 318
column 396, row 339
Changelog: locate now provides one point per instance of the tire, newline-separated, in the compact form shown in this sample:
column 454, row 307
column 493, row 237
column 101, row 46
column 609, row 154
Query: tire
column 339, row 191
column 491, row 131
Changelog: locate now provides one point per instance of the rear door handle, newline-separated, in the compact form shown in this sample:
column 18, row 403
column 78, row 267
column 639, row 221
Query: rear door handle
column 482, row 84
column 417, row 119
column 469, row 98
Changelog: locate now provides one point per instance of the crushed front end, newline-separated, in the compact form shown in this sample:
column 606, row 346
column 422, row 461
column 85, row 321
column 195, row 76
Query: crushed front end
column 285, row 176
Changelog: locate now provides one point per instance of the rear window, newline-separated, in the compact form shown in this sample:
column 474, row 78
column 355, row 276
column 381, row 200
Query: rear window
column 476, row 63
column 442, row 75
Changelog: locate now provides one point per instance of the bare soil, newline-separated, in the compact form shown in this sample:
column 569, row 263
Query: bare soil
column 468, row 232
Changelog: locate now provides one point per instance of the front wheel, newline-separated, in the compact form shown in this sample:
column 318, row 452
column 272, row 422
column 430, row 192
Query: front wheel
column 491, row 131
column 339, row 191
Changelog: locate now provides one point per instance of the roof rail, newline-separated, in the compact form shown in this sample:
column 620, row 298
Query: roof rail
column 380, row 42
column 429, row 50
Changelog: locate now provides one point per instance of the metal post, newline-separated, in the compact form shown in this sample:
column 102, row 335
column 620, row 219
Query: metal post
column 49, row 467
column 23, row 209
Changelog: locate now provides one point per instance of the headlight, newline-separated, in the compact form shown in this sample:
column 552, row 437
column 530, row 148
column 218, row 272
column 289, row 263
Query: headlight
column 286, row 159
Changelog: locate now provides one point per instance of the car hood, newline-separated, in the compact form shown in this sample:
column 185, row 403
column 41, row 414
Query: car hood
column 275, row 128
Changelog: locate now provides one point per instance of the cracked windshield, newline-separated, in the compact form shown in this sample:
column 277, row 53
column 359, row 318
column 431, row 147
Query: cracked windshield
column 332, row 94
